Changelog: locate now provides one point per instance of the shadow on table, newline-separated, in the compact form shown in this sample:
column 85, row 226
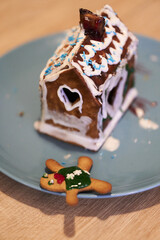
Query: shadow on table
column 100, row 208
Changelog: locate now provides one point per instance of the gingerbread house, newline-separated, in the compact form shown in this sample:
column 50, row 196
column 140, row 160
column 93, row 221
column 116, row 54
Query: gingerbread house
column 88, row 83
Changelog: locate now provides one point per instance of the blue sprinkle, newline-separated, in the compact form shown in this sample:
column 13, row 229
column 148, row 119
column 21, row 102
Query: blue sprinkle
column 121, row 48
column 114, row 33
column 112, row 157
column 84, row 55
column 72, row 54
column 86, row 62
column 103, row 66
column 93, row 45
column 63, row 163
column 71, row 38
column 94, row 50
column 90, row 61
column 109, row 32
column 110, row 59
column 57, row 65
column 63, row 56
column 48, row 71
column 73, row 44
column 106, row 21
column 68, row 59
column 82, row 45
column 97, row 68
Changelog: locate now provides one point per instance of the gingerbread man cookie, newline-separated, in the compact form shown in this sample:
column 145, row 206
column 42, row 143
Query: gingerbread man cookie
column 72, row 180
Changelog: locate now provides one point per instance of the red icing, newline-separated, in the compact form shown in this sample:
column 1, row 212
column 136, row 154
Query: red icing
column 60, row 178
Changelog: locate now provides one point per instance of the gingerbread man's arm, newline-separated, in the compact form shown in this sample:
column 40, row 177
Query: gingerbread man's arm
column 85, row 163
column 100, row 186
column 53, row 165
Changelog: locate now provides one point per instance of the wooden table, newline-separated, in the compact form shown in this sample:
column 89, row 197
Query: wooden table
column 29, row 214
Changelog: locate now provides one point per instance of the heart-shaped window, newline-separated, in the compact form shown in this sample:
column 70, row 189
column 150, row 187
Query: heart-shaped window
column 70, row 97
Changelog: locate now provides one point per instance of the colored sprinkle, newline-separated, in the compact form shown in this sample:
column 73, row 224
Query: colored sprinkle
column 106, row 21
column 94, row 50
column 72, row 44
column 71, row 38
column 110, row 59
column 57, row 65
column 103, row 66
column 109, row 32
column 84, row 55
column 82, row 45
column 48, row 71
column 63, row 56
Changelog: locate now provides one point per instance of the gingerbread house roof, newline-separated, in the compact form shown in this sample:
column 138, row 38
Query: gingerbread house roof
column 96, row 61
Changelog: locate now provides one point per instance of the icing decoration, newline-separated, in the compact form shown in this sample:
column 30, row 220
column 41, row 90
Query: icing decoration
column 78, row 179
column 60, row 178
column 70, row 102
column 45, row 175
column 114, row 57
column 75, row 177
column 90, row 59
column 51, row 182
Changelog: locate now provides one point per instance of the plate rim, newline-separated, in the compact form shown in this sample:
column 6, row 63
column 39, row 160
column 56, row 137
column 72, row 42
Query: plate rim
column 90, row 195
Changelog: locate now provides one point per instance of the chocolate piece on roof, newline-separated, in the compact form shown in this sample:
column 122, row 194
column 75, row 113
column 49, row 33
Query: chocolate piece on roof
column 92, row 24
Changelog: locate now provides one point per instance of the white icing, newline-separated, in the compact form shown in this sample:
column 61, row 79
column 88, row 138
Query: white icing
column 115, row 53
column 111, row 144
column 74, row 39
column 68, row 105
column 70, row 176
column 148, row 124
column 64, row 57
column 85, row 141
column 77, row 172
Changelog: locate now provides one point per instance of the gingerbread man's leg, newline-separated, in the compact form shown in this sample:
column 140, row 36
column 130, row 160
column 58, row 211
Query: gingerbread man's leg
column 71, row 197
column 53, row 165
column 85, row 163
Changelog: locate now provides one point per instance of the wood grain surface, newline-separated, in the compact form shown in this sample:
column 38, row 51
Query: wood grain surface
column 29, row 214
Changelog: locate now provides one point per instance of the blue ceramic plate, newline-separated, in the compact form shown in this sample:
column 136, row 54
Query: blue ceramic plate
column 132, row 168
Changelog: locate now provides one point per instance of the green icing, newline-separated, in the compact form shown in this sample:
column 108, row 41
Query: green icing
column 75, row 177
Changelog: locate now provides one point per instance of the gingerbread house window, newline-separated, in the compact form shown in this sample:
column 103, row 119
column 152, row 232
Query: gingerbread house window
column 70, row 97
